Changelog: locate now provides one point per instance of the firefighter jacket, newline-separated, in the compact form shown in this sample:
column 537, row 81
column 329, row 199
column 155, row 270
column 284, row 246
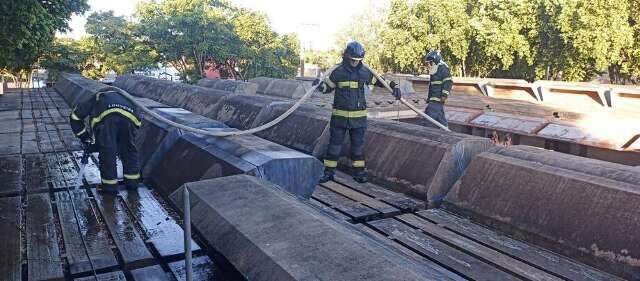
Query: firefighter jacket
column 98, row 108
column 349, row 102
column 440, row 84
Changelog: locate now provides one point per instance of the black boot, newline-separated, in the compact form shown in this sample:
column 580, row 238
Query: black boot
column 328, row 175
column 360, row 175
column 110, row 189
column 131, row 184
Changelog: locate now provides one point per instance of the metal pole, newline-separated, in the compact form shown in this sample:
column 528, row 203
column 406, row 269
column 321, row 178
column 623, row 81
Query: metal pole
column 187, row 234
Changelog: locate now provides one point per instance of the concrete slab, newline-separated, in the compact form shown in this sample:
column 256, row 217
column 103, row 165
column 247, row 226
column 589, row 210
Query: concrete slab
column 233, row 86
column 269, row 235
column 263, row 83
column 306, row 129
column 292, row 89
column 416, row 160
column 551, row 199
column 156, row 137
column 241, row 111
column 211, row 157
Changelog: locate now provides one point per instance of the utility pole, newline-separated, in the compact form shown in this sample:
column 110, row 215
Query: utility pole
column 306, row 32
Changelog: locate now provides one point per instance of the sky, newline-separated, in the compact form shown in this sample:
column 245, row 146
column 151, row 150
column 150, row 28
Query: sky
column 315, row 21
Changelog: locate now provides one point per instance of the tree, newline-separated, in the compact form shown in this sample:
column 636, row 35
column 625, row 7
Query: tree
column 64, row 55
column 594, row 37
column 29, row 28
column 122, row 49
column 185, row 33
column 262, row 51
column 365, row 27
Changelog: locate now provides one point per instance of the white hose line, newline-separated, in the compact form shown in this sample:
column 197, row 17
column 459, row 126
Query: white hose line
column 409, row 105
column 218, row 132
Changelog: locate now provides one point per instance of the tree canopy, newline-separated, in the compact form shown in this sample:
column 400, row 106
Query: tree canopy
column 574, row 40
column 29, row 28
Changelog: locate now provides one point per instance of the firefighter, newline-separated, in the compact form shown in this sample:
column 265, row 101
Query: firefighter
column 114, row 123
column 439, row 87
column 349, row 80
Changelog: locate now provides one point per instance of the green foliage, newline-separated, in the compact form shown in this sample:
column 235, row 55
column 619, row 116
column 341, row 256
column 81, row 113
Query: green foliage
column 325, row 59
column 261, row 51
column 185, row 33
column 29, row 27
column 64, row 55
column 120, row 47
column 365, row 27
column 559, row 39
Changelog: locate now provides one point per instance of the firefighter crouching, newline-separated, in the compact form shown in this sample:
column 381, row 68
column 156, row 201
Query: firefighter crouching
column 114, row 122
column 348, row 81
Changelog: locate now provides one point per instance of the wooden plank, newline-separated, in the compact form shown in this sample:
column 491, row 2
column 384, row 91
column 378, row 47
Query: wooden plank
column 385, row 209
column 357, row 212
column 35, row 170
column 398, row 200
column 62, row 170
column 44, row 262
column 445, row 255
column 418, row 258
column 109, row 276
column 151, row 273
column 203, row 269
column 329, row 210
column 11, row 258
column 490, row 255
column 93, row 232
column 538, row 257
column 10, row 175
column 161, row 229
column 132, row 249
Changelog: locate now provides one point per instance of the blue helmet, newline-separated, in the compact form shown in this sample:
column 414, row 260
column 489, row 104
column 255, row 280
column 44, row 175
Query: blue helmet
column 433, row 56
column 354, row 51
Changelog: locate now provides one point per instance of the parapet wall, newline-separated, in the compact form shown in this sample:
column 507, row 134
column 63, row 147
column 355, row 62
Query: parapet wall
column 236, row 87
column 584, row 208
column 437, row 158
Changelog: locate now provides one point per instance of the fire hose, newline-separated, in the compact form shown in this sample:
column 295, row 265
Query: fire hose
column 226, row 133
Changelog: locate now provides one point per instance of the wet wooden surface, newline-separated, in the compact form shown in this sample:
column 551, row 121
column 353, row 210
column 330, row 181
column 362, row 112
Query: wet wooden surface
column 43, row 254
column 11, row 258
column 40, row 236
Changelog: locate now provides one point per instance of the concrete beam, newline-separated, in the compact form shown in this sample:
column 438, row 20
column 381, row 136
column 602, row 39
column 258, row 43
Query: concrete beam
column 263, row 83
column 194, row 157
column 283, row 88
column 241, row 111
column 416, row 160
column 551, row 199
column 306, row 129
column 233, row 86
column 269, row 235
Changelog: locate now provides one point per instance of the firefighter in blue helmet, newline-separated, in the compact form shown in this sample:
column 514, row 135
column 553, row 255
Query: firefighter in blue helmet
column 114, row 122
column 349, row 80
column 439, row 87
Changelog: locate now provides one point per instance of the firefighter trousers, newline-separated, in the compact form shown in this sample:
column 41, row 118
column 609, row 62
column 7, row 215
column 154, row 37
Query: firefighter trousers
column 115, row 136
column 435, row 110
column 336, row 139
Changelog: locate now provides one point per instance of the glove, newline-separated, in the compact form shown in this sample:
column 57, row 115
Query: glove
column 397, row 93
column 396, row 90
column 444, row 98
column 85, row 138
column 315, row 82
